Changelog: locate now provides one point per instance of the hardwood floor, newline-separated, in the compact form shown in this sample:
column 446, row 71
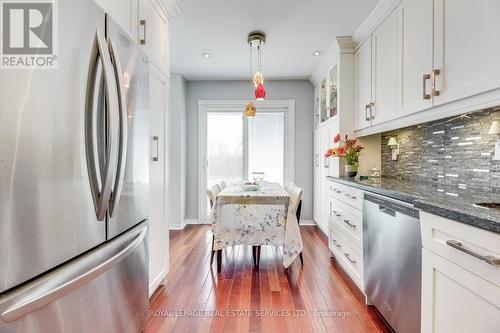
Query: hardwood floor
column 314, row 298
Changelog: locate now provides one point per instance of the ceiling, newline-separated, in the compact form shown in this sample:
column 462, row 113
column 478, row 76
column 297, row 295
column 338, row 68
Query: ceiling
column 294, row 28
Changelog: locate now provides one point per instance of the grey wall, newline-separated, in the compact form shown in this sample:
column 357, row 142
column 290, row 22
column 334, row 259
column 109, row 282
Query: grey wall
column 177, row 150
column 300, row 90
column 454, row 152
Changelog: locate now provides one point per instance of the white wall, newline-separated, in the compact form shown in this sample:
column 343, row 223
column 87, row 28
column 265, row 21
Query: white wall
column 177, row 141
column 299, row 90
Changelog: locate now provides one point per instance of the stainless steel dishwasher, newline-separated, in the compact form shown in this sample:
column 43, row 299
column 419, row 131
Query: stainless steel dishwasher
column 392, row 249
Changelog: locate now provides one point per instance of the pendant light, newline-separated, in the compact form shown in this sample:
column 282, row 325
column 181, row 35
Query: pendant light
column 256, row 40
column 250, row 110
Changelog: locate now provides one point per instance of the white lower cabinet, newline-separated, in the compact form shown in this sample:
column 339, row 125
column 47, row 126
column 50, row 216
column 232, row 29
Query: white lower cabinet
column 460, row 278
column 345, row 235
column 456, row 300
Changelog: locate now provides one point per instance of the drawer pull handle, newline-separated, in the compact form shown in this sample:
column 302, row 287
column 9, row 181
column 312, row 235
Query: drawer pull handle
column 350, row 224
column 353, row 197
column 488, row 259
column 347, row 255
column 335, row 243
column 335, row 213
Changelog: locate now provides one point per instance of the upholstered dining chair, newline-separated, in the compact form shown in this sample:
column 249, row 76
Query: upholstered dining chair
column 296, row 194
column 212, row 195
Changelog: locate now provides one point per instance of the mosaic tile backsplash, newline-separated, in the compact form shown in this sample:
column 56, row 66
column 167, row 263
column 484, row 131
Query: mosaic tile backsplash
column 454, row 153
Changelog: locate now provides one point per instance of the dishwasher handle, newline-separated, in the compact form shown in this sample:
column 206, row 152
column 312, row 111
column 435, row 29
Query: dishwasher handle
column 387, row 211
column 392, row 206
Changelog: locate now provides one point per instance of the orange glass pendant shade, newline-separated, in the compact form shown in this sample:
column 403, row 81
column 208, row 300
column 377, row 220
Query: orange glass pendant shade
column 250, row 110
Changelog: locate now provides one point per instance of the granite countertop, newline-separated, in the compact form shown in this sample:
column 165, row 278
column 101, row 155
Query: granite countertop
column 452, row 203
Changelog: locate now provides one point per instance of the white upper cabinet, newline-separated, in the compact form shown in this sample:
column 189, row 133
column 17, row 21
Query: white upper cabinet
column 154, row 33
column 466, row 48
column 362, row 85
column 384, row 70
column 415, row 55
column 123, row 12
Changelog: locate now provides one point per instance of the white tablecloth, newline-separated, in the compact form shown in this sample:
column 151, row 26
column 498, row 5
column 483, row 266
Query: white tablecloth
column 263, row 217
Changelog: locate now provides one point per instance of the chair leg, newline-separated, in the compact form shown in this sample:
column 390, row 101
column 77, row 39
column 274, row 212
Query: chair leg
column 258, row 255
column 213, row 252
column 301, row 258
column 219, row 261
column 254, row 254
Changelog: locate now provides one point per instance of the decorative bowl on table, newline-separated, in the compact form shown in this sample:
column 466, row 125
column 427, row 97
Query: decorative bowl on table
column 251, row 186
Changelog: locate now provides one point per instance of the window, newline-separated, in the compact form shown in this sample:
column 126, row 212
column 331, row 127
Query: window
column 266, row 146
column 232, row 147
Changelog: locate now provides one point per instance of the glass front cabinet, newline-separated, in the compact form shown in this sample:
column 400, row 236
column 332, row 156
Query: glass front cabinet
column 328, row 96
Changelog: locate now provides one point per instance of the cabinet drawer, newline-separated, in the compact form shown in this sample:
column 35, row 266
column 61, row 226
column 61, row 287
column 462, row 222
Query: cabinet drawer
column 349, row 220
column 350, row 257
column 455, row 300
column 462, row 244
column 347, row 194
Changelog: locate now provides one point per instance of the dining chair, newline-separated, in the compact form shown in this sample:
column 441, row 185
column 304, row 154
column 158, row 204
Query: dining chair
column 296, row 194
column 212, row 195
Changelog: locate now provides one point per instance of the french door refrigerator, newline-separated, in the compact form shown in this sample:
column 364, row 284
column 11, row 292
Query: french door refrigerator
column 74, row 183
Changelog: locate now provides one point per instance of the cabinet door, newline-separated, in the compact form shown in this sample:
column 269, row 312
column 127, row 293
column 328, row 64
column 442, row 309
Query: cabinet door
column 384, row 70
column 325, row 164
column 416, row 53
column 317, row 177
column 456, row 300
column 154, row 34
column 362, row 85
column 466, row 48
column 158, row 224
column 334, row 162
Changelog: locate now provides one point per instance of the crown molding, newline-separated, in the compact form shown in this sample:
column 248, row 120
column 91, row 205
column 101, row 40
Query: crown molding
column 381, row 11
column 346, row 45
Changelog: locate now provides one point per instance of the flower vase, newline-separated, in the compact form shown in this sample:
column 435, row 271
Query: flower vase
column 351, row 170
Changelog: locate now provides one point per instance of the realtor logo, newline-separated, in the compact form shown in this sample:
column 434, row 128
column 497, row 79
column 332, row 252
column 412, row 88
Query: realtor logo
column 28, row 32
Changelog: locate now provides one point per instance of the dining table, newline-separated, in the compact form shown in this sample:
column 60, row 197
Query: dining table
column 264, row 215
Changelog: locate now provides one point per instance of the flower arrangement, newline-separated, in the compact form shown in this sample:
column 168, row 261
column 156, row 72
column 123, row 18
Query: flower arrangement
column 349, row 150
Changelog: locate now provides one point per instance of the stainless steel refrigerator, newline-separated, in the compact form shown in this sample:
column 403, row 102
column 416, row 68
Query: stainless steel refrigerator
column 74, row 183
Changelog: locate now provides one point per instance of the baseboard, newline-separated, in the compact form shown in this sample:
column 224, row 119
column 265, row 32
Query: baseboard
column 191, row 221
column 177, row 226
column 307, row 222
column 160, row 279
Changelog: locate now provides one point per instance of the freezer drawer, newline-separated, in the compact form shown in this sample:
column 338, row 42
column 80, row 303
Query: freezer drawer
column 105, row 290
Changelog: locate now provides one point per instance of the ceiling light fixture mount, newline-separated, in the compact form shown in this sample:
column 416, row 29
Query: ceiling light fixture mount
column 255, row 40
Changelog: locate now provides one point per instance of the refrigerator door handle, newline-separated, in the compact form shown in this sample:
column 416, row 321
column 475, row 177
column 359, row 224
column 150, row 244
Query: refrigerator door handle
column 70, row 278
column 101, row 194
column 122, row 154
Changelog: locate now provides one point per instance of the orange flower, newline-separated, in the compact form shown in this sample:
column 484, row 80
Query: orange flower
column 336, row 138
